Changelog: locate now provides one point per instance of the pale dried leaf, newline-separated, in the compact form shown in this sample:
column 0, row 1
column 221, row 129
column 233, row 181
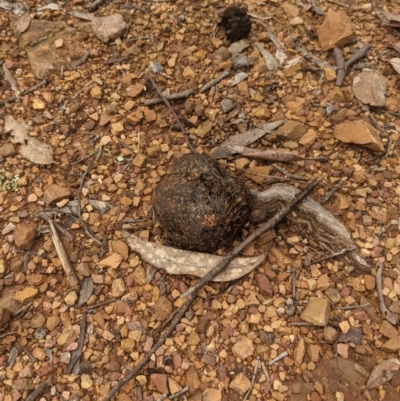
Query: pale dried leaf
column 23, row 23
column 50, row 6
column 279, row 54
column 31, row 148
column 239, row 78
column 269, row 59
column 370, row 88
column 37, row 151
column 177, row 261
column 275, row 155
column 20, row 131
column 86, row 291
column 82, row 15
column 389, row 20
column 383, row 373
column 225, row 149
column 395, row 62
column 11, row 80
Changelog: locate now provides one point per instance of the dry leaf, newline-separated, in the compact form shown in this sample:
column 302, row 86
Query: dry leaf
column 382, row 373
column 389, row 20
column 20, row 131
column 31, row 148
column 269, row 59
column 82, row 15
column 370, row 88
column 395, row 62
column 37, row 152
column 86, row 291
column 177, row 261
column 225, row 149
column 239, row 78
column 23, row 23
column 270, row 155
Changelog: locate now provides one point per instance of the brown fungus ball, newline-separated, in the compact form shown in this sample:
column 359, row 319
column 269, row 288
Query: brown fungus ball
column 200, row 206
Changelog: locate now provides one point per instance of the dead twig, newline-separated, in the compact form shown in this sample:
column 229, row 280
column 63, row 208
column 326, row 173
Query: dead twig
column 333, row 255
column 174, row 96
column 21, row 311
column 31, row 357
column 209, row 276
column 76, row 354
column 178, row 121
column 8, row 334
column 83, row 223
column 332, row 192
column 309, row 56
column 178, row 393
column 62, row 254
column 82, row 60
column 337, row 2
column 253, row 379
column 95, row 5
column 12, row 81
column 343, row 67
column 214, row 81
column 288, row 175
column 278, row 358
column 38, row 392
column 92, row 307
column 265, row 370
column 340, row 72
column 352, row 307
column 83, row 88
column 37, row 41
column 25, row 92
column 317, row 10
column 389, row 316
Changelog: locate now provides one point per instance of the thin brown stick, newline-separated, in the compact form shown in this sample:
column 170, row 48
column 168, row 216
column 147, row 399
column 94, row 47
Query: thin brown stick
column 288, row 175
column 62, row 254
column 340, row 72
column 352, row 307
column 174, row 96
column 95, row 5
column 389, row 316
column 195, row 289
column 76, row 354
column 253, row 379
column 92, row 307
column 83, row 223
column 178, row 393
column 25, row 92
column 81, row 61
column 8, row 334
column 214, row 81
column 344, row 65
column 173, row 112
column 38, row 392
column 333, row 255
column 332, row 192
column 357, row 56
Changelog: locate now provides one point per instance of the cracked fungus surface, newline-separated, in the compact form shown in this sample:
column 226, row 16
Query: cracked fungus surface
column 200, row 206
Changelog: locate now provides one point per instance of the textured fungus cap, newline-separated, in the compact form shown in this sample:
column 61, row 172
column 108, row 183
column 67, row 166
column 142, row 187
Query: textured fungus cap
column 200, row 206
